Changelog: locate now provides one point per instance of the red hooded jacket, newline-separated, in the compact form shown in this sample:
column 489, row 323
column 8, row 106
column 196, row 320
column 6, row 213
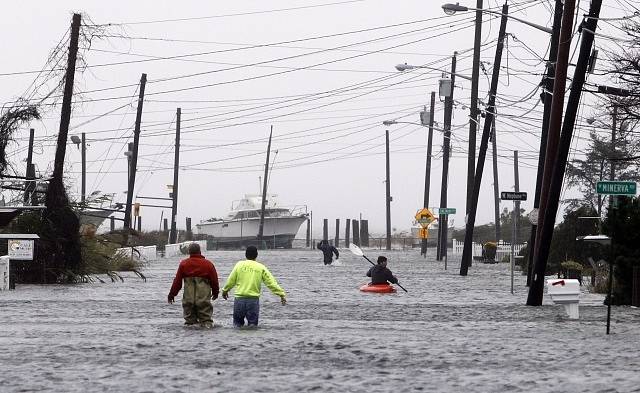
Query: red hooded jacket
column 195, row 266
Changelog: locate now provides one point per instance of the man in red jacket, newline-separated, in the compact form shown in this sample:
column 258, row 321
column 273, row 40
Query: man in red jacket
column 200, row 286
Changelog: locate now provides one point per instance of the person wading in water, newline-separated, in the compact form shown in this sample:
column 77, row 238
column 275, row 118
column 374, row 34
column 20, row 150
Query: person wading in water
column 328, row 250
column 380, row 274
column 247, row 276
column 200, row 286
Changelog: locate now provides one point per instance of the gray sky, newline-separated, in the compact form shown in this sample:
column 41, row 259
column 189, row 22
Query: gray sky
column 326, row 117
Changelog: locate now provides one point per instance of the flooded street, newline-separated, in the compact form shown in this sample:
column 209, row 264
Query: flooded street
column 448, row 333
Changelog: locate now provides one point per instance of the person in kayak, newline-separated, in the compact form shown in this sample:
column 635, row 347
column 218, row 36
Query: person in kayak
column 380, row 274
column 328, row 250
column 247, row 276
column 200, row 286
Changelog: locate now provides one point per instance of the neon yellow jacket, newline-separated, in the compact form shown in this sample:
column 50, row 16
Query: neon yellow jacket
column 248, row 276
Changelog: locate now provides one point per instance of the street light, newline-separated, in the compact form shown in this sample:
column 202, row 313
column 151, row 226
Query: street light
column 451, row 9
column 405, row 66
column 392, row 122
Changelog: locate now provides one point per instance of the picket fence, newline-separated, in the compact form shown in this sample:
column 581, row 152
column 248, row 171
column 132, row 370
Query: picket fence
column 504, row 249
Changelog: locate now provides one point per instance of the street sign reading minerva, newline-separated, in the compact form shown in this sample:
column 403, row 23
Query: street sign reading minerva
column 616, row 187
column 513, row 196
column 446, row 210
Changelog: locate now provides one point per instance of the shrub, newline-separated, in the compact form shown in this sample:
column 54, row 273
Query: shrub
column 571, row 265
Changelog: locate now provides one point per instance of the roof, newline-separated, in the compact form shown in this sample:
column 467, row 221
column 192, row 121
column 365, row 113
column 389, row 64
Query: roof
column 19, row 236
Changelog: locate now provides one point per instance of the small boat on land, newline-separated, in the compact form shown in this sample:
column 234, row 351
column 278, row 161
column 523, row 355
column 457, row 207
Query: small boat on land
column 378, row 288
column 241, row 225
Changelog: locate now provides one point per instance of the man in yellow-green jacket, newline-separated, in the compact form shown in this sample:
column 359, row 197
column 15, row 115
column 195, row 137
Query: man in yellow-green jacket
column 247, row 276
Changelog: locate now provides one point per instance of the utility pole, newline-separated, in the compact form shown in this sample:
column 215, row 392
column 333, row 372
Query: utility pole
column 389, row 198
column 67, row 254
column 484, row 142
column 516, row 216
column 443, row 222
column 546, row 97
column 496, row 184
column 83, row 155
column 550, row 207
column 555, row 115
column 613, row 144
column 264, row 189
column 29, row 186
column 134, row 154
column 56, row 196
column 473, row 108
column 427, row 172
column 173, row 234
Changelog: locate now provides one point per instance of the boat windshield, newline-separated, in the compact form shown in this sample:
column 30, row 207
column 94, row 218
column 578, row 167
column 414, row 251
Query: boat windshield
column 245, row 214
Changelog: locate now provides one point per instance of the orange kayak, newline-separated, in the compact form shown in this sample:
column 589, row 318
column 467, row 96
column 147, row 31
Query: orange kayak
column 378, row 288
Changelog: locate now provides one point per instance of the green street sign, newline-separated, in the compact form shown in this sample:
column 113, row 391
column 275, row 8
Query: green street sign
column 447, row 210
column 616, row 187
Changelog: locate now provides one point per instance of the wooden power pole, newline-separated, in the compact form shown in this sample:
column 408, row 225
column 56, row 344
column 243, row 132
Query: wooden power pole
column 173, row 234
column 388, row 192
column 443, row 221
column 484, row 142
column 496, row 182
column 134, row 154
column 427, row 171
column 550, row 207
column 67, row 254
column 546, row 96
column 264, row 189
column 29, row 185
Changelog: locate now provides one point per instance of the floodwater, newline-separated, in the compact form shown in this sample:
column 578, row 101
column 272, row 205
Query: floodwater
column 448, row 333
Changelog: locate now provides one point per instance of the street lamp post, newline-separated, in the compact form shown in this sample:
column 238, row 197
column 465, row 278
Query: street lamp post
column 451, row 9
column 427, row 173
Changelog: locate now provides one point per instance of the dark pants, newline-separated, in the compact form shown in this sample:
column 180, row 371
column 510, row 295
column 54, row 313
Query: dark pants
column 196, row 301
column 248, row 308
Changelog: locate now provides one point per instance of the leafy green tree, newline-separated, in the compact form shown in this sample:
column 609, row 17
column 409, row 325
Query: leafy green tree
column 583, row 174
column 623, row 224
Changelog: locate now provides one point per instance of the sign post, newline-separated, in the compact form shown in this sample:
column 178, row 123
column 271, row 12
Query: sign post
column 20, row 247
column 613, row 187
column 424, row 217
column 445, row 211
column 513, row 196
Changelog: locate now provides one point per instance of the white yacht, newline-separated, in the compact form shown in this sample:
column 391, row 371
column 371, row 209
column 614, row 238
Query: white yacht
column 241, row 225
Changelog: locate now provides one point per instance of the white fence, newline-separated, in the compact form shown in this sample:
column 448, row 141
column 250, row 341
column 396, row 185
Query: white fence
column 504, row 249
column 173, row 250
column 147, row 253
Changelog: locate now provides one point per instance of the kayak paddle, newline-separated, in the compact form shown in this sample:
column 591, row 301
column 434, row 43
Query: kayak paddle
column 357, row 251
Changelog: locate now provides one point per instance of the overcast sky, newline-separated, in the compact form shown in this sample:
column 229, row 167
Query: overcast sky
column 324, row 86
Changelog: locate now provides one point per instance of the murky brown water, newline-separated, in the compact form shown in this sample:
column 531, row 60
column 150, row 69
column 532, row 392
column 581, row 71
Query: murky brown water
column 449, row 333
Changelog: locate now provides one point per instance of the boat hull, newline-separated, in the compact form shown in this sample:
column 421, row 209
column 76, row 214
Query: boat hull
column 278, row 232
column 377, row 288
